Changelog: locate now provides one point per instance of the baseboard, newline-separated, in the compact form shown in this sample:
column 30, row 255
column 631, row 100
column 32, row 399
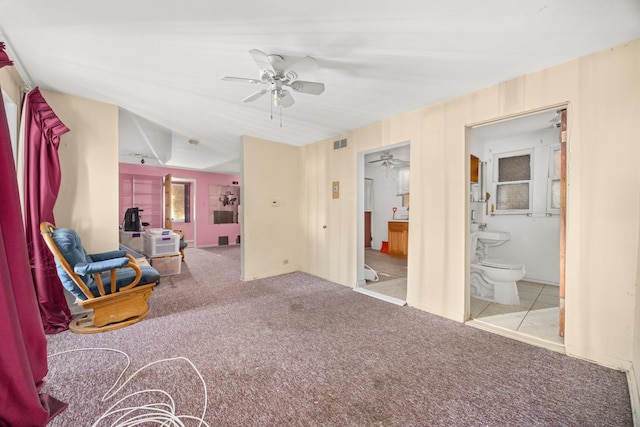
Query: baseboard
column 216, row 246
column 518, row 336
column 540, row 281
column 634, row 395
column 438, row 311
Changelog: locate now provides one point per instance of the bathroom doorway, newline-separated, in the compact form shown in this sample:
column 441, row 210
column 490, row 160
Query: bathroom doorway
column 383, row 215
column 516, row 214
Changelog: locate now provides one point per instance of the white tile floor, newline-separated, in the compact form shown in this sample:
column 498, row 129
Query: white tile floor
column 537, row 315
column 536, row 318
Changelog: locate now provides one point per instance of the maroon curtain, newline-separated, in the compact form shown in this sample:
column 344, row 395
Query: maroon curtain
column 4, row 58
column 42, row 131
column 23, row 352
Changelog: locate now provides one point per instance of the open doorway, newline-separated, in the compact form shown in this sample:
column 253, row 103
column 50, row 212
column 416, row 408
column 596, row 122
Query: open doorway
column 384, row 202
column 179, row 207
column 516, row 214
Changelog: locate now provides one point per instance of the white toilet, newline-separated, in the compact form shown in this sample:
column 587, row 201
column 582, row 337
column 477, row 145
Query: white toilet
column 492, row 279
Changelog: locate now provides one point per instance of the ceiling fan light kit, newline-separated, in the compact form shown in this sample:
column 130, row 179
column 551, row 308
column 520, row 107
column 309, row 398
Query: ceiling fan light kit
column 278, row 73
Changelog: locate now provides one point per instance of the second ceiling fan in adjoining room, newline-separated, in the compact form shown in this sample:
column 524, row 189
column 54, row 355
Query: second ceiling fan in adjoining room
column 388, row 161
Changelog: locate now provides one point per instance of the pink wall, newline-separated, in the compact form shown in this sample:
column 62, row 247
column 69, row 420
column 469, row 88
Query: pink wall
column 206, row 234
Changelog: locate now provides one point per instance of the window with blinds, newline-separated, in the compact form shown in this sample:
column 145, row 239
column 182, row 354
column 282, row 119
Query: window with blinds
column 513, row 184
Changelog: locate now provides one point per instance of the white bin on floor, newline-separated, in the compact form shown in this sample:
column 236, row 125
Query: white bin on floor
column 370, row 275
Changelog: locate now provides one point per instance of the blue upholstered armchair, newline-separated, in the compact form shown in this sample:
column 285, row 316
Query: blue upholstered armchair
column 111, row 284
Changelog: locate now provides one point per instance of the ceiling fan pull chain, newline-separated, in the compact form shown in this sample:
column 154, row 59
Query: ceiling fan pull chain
column 280, row 116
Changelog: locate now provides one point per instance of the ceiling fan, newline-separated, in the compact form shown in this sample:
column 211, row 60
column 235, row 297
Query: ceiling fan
column 387, row 161
column 277, row 73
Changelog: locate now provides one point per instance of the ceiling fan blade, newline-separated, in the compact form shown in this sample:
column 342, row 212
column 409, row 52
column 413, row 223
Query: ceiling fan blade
column 376, row 161
column 286, row 99
column 262, row 59
column 313, row 88
column 304, row 64
column 242, row 80
column 255, row 95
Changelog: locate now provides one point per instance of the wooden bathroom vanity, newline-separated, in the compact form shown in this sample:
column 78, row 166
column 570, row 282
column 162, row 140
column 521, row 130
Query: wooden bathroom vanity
column 398, row 238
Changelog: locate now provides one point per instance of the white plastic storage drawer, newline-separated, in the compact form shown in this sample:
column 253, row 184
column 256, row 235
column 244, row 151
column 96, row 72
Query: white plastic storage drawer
column 161, row 244
column 132, row 240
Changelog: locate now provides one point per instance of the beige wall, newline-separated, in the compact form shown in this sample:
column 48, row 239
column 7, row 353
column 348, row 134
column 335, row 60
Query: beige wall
column 89, row 161
column 270, row 172
column 11, row 83
column 602, row 94
column 88, row 198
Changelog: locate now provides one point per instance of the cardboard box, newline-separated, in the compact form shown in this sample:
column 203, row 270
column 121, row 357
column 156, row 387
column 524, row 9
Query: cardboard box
column 167, row 265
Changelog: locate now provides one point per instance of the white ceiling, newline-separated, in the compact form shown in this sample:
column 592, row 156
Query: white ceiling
column 161, row 60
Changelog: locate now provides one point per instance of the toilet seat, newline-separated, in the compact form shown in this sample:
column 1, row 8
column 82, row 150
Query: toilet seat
column 498, row 263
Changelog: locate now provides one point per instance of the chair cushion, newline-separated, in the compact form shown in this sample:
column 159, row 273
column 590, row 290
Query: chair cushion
column 69, row 244
column 71, row 248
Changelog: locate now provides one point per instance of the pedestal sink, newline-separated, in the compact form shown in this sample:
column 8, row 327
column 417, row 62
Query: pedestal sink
column 493, row 237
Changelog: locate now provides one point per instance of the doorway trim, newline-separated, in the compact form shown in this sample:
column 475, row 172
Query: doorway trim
column 192, row 207
column 360, row 280
column 561, row 107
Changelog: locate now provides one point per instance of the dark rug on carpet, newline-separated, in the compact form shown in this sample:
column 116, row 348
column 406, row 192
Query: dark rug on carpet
column 299, row 350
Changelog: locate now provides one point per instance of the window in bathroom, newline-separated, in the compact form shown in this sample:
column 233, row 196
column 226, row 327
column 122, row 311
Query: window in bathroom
column 513, row 187
column 553, row 181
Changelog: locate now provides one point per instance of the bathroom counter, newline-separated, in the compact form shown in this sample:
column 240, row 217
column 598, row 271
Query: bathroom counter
column 398, row 220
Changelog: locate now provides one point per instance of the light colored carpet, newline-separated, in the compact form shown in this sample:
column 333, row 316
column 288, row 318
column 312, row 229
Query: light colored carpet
column 296, row 350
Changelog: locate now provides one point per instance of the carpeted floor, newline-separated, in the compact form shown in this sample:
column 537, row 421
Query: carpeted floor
column 297, row 350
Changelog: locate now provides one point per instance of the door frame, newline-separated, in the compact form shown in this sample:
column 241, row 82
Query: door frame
column 360, row 280
column 563, row 110
column 167, row 180
column 192, row 207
